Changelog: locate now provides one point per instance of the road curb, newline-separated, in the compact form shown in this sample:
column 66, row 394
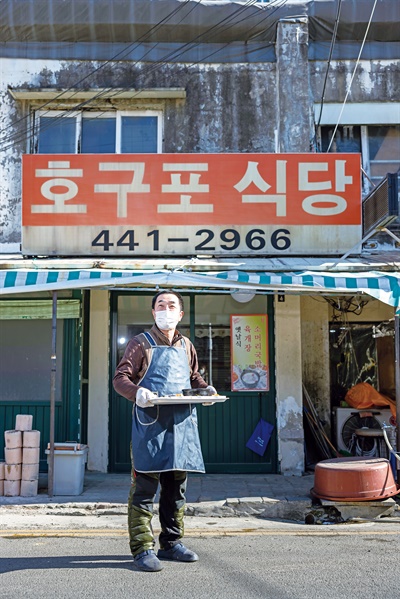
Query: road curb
column 261, row 507
column 292, row 509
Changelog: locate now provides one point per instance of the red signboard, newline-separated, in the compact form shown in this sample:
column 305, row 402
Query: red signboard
column 214, row 199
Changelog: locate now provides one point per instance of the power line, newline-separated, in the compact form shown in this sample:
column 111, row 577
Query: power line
column 202, row 59
column 113, row 59
column 333, row 40
column 216, row 29
column 17, row 138
column 352, row 77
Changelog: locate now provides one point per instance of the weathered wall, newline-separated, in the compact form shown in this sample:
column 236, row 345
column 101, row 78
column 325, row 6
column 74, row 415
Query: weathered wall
column 289, row 403
column 315, row 354
column 261, row 107
column 374, row 81
column 98, row 403
column 293, row 89
column 374, row 311
column 229, row 108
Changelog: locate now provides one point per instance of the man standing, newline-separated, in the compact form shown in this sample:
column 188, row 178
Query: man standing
column 165, row 439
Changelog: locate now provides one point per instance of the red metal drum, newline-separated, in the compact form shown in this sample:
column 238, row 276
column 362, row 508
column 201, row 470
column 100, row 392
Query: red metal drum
column 354, row 479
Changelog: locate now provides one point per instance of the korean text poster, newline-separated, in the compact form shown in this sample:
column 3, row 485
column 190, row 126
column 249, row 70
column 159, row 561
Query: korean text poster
column 249, row 352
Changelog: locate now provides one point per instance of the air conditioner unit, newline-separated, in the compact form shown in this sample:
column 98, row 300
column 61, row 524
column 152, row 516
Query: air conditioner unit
column 347, row 420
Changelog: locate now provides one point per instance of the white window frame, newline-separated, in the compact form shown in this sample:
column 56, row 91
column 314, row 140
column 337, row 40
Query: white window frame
column 363, row 114
column 117, row 114
column 51, row 114
column 124, row 113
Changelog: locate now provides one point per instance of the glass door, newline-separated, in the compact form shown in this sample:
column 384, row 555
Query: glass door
column 130, row 315
column 226, row 427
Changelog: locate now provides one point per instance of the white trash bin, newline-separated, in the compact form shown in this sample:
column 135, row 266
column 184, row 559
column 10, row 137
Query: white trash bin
column 69, row 467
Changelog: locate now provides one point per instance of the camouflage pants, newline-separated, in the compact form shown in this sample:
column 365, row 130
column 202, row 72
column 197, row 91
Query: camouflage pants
column 171, row 509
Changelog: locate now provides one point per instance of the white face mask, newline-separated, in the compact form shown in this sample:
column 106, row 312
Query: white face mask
column 167, row 320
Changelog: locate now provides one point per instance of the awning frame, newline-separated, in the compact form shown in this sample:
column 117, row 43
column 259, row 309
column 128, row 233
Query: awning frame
column 383, row 286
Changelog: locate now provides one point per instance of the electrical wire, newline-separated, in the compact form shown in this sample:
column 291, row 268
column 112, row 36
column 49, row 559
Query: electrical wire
column 333, row 41
column 223, row 30
column 343, row 305
column 154, row 66
column 353, row 75
column 120, row 55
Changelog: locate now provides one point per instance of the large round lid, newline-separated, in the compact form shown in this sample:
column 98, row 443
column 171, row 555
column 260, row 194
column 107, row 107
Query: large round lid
column 354, row 479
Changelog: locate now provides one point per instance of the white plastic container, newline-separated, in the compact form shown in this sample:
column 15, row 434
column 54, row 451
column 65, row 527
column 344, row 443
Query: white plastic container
column 29, row 488
column 23, row 422
column 13, row 439
column 69, row 468
column 13, row 456
column 31, row 439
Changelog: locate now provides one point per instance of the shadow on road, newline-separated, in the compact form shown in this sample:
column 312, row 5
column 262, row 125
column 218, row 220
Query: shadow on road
column 12, row 564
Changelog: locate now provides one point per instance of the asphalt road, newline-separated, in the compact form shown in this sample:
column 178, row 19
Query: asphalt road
column 295, row 562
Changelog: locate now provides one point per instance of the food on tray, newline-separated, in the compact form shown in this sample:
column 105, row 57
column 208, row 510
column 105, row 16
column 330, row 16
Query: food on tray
column 194, row 392
column 178, row 397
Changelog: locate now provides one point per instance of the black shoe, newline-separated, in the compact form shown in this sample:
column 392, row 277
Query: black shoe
column 148, row 561
column 179, row 553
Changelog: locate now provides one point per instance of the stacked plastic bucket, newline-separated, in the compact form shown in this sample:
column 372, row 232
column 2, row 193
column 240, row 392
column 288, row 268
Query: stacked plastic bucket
column 22, row 452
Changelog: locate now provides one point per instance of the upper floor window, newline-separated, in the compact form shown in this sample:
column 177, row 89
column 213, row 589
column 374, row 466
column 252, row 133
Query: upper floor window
column 121, row 132
column 378, row 144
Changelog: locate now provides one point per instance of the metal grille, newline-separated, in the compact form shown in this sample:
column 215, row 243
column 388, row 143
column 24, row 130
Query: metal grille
column 381, row 206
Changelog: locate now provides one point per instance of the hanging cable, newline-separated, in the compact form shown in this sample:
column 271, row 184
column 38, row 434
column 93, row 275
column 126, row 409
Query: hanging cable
column 333, row 40
column 353, row 75
column 172, row 55
column 218, row 29
column 123, row 53
column 120, row 55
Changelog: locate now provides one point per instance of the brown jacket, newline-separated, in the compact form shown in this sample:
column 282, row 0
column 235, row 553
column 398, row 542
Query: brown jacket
column 134, row 363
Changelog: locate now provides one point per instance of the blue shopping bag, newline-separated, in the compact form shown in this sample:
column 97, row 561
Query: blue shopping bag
column 261, row 435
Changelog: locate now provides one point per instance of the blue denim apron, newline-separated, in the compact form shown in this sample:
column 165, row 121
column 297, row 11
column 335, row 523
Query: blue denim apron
column 166, row 437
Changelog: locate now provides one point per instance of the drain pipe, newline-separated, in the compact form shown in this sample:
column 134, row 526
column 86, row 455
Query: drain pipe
column 385, row 436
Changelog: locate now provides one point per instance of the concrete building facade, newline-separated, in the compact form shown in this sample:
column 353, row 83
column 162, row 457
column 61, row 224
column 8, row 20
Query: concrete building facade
column 220, row 78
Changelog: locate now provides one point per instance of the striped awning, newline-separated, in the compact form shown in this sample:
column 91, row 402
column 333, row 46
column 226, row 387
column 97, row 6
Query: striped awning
column 384, row 286
column 380, row 285
column 35, row 280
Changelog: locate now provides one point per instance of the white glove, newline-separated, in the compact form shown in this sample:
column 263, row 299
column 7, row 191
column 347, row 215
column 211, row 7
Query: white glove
column 144, row 397
column 211, row 391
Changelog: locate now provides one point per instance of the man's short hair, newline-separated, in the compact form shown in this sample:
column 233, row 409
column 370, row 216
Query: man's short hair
column 163, row 292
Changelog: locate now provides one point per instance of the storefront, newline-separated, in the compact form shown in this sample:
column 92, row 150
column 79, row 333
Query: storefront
column 224, row 428
column 212, row 226
column 25, row 350
column 117, row 305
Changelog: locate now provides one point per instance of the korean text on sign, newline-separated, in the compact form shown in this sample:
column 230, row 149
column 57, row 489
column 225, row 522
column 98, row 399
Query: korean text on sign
column 191, row 189
column 249, row 352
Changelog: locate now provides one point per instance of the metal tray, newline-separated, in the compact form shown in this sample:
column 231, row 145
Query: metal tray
column 182, row 399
